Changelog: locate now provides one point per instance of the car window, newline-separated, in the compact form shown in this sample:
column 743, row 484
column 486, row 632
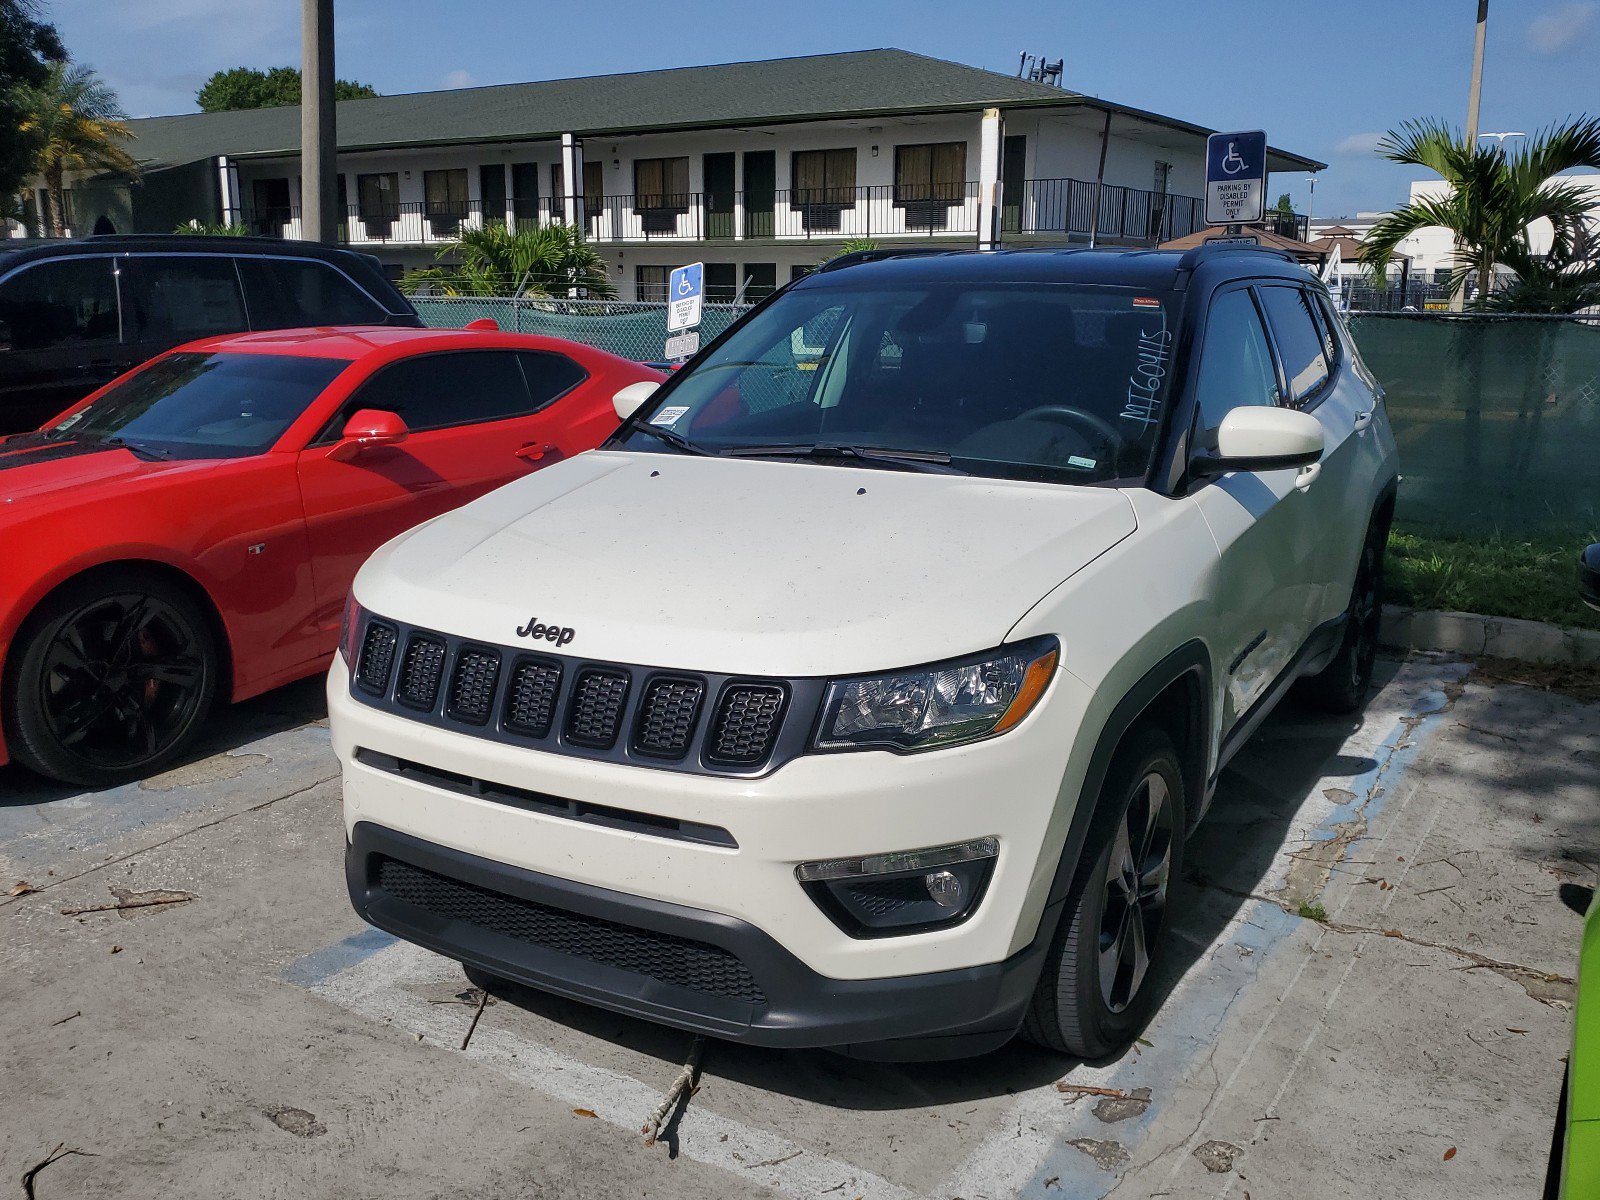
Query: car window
column 1327, row 326
column 549, row 376
column 1236, row 367
column 1054, row 382
column 71, row 301
column 204, row 405
column 437, row 391
column 285, row 293
column 182, row 297
column 1299, row 339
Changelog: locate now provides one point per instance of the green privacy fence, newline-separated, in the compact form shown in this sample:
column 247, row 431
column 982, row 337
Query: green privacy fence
column 636, row 331
column 1497, row 419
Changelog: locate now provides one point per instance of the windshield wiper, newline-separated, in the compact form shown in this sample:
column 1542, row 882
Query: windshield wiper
column 929, row 461
column 140, row 448
column 676, row 440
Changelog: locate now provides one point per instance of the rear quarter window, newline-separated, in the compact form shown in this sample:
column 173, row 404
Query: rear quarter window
column 288, row 293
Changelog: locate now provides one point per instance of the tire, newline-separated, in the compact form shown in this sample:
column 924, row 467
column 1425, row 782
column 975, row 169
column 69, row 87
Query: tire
column 1092, row 998
column 1342, row 685
column 111, row 679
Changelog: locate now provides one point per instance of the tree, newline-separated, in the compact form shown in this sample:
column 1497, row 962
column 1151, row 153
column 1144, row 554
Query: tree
column 27, row 48
column 495, row 261
column 248, row 87
column 1494, row 196
column 77, row 125
column 1285, row 203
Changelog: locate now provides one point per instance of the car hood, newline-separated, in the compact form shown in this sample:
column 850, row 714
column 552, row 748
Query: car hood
column 745, row 567
column 33, row 467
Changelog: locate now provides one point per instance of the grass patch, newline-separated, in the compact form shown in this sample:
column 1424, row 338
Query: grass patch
column 1535, row 578
column 1312, row 910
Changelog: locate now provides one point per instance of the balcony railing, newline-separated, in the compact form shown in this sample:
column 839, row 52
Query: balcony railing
column 1040, row 208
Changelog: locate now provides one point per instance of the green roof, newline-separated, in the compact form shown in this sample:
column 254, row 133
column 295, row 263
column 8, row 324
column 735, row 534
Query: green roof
column 857, row 84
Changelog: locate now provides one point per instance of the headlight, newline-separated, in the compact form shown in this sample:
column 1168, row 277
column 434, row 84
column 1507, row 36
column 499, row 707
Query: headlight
column 938, row 705
column 349, row 630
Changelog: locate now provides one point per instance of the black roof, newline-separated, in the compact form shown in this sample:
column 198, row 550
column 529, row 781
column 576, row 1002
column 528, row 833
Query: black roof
column 175, row 243
column 860, row 83
column 1158, row 270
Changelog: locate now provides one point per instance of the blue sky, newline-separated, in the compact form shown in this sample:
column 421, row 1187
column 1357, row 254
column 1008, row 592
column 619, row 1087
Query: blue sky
column 1325, row 79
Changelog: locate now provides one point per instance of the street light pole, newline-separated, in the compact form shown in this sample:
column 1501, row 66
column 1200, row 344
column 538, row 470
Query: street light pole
column 1458, row 297
column 319, row 218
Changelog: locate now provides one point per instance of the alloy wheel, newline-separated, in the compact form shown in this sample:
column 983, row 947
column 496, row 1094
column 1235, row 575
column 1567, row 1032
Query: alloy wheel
column 1137, row 878
column 121, row 680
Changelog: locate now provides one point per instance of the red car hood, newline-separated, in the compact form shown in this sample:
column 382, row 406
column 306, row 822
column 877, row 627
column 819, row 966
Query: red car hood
column 33, row 466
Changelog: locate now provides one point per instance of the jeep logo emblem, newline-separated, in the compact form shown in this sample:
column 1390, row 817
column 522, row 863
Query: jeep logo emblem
column 559, row 634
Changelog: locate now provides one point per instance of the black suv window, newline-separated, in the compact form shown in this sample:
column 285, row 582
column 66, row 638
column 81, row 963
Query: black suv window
column 182, row 297
column 1299, row 341
column 1236, row 366
column 549, row 376
column 437, row 391
column 70, row 301
column 285, row 293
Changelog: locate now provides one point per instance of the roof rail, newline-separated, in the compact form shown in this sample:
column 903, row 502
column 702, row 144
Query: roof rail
column 1193, row 257
column 857, row 257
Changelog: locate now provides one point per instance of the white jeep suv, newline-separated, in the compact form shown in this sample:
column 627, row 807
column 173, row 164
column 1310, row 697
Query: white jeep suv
column 860, row 691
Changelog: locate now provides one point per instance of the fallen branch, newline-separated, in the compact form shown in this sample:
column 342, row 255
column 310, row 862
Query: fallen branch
column 1077, row 1089
column 67, row 1018
column 61, row 1151
column 772, row 1162
column 680, row 1087
column 131, row 900
column 483, row 1003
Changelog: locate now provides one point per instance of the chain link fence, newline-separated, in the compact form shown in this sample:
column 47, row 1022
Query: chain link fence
column 631, row 330
column 1497, row 417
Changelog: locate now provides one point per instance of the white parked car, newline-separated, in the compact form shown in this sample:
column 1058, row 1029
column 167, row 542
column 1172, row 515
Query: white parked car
column 861, row 690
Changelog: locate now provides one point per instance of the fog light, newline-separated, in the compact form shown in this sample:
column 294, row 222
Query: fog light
column 904, row 891
column 945, row 889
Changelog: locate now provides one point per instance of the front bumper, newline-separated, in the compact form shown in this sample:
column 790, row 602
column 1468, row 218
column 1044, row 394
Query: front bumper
column 689, row 968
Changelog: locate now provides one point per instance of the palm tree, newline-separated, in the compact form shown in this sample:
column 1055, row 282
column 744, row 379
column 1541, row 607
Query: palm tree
column 1494, row 195
column 75, row 120
column 496, row 261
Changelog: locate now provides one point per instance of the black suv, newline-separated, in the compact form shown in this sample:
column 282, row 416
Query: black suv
column 76, row 314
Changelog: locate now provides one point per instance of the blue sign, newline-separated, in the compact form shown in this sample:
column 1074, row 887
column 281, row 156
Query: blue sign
column 1236, row 178
column 684, row 287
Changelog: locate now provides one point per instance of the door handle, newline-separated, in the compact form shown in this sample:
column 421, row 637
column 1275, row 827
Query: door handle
column 1307, row 476
column 534, row 451
column 1363, row 419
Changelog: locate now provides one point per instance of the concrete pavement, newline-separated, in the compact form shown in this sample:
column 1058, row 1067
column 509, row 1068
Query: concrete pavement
column 259, row 1041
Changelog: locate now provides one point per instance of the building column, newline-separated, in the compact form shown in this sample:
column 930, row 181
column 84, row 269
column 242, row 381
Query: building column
column 228, row 191
column 572, row 180
column 990, row 140
column 511, row 199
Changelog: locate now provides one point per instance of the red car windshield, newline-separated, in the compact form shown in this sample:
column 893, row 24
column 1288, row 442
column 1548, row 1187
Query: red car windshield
column 203, row 405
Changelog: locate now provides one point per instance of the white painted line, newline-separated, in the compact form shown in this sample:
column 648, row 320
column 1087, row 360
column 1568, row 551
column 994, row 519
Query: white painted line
column 384, row 987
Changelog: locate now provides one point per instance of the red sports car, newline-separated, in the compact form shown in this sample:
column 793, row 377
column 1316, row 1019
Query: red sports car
column 190, row 530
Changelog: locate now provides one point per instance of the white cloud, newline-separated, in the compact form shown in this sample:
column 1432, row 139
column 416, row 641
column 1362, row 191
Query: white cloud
column 1359, row 143
column 1562, row 28
column 460, row 79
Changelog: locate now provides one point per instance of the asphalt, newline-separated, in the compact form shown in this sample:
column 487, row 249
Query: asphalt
column 1370, row 998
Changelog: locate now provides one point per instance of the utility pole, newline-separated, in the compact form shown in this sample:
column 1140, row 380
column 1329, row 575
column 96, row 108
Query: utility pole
column 319, row 217
column 1458, row 298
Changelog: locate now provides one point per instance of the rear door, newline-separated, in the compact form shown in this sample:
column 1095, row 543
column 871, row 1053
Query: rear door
column 1264, row 526
column 60, row 337
column 292, row 293
column 478, row 419
column 171, row 299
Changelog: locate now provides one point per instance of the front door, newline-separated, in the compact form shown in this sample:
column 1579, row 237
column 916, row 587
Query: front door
column 1013, row 157
column 59, row 338
column 760, row 192
column 719, row 194
column 478, row 419
column 1265, row 526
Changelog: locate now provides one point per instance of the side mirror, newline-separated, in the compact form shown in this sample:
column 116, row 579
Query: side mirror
column 629, row 400
column 1257, row 438
column 367, row 428
column 1589, row 577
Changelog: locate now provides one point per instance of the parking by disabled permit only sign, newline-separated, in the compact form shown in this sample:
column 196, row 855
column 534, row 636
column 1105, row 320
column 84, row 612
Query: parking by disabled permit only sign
column 1236, row 178
column 685, row 286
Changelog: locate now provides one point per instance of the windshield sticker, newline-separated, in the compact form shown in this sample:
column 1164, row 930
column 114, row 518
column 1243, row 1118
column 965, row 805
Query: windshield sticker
column 1143, row 404
column 1146, row 302
column 669, row 416
column 1077, row 460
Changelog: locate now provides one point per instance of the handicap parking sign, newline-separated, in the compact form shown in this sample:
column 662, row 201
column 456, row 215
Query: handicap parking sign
column 1236, row 178
column 684, row 287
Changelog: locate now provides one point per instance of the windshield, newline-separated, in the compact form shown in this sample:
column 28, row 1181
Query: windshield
column 204, row 405
column 1053, row 382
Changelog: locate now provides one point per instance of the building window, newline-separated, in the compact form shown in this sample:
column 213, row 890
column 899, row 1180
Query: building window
column 660, row 192
column 270, row 210
column 760, row 280
column 593, row 189
column 722, row 282
column 929, row 179
column 824, row 186
column 445, row 199
column 379, row 199
column 650, row 284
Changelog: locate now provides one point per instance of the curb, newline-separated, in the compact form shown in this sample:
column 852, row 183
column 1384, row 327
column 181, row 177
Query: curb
column 1476, row 636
